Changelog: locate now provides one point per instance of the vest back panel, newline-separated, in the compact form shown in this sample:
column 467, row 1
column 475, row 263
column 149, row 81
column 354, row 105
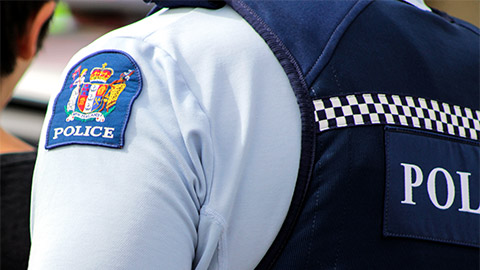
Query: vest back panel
column 391, row 49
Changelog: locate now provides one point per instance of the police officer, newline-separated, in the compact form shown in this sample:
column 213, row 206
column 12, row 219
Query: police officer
column 286, row 135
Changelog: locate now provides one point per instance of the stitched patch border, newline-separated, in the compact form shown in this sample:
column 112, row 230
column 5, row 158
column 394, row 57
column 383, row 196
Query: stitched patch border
column 94, row 105
column 432, row 187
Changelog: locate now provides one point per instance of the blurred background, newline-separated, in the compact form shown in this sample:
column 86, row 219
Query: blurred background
column 77, row 23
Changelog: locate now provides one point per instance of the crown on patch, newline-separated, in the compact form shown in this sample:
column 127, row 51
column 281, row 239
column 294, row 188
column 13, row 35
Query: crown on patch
column 101, row 74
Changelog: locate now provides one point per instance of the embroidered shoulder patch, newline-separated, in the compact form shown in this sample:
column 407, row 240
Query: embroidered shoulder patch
column 95, row 102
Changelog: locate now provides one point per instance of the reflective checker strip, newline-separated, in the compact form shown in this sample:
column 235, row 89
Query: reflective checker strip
column 372, row 109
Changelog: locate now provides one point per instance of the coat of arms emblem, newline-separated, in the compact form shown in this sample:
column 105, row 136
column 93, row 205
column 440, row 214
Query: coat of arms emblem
column 95, row 102
column 96, row 98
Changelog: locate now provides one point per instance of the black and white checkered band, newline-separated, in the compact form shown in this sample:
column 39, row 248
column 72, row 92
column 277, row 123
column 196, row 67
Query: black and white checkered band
column 383, row 109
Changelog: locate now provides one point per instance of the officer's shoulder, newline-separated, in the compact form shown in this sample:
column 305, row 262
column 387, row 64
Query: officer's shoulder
column 200, row 33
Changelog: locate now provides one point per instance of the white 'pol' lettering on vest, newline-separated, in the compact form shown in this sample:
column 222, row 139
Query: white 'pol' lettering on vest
column 413, row 177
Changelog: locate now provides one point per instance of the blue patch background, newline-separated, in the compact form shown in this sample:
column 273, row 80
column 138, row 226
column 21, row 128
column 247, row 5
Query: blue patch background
column 424, row 220
column 118, row 61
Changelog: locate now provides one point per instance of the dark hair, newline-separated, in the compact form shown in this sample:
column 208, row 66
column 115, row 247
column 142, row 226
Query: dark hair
column 14, row 18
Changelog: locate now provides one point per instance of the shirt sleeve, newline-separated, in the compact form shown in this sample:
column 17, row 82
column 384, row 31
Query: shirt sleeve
column 132, row 208
column 208, row 167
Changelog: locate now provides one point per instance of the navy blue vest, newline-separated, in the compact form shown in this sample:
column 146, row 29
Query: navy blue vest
column 389, row 98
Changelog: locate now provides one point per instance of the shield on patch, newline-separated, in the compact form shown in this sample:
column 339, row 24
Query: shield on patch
column 82, row 98
column 95, row 99
column 98, row 103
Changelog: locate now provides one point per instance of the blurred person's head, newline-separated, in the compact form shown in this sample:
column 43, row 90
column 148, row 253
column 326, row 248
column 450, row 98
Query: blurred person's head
column 24, row 25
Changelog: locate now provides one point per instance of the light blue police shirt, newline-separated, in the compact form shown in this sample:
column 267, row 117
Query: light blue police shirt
column 209, row 162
